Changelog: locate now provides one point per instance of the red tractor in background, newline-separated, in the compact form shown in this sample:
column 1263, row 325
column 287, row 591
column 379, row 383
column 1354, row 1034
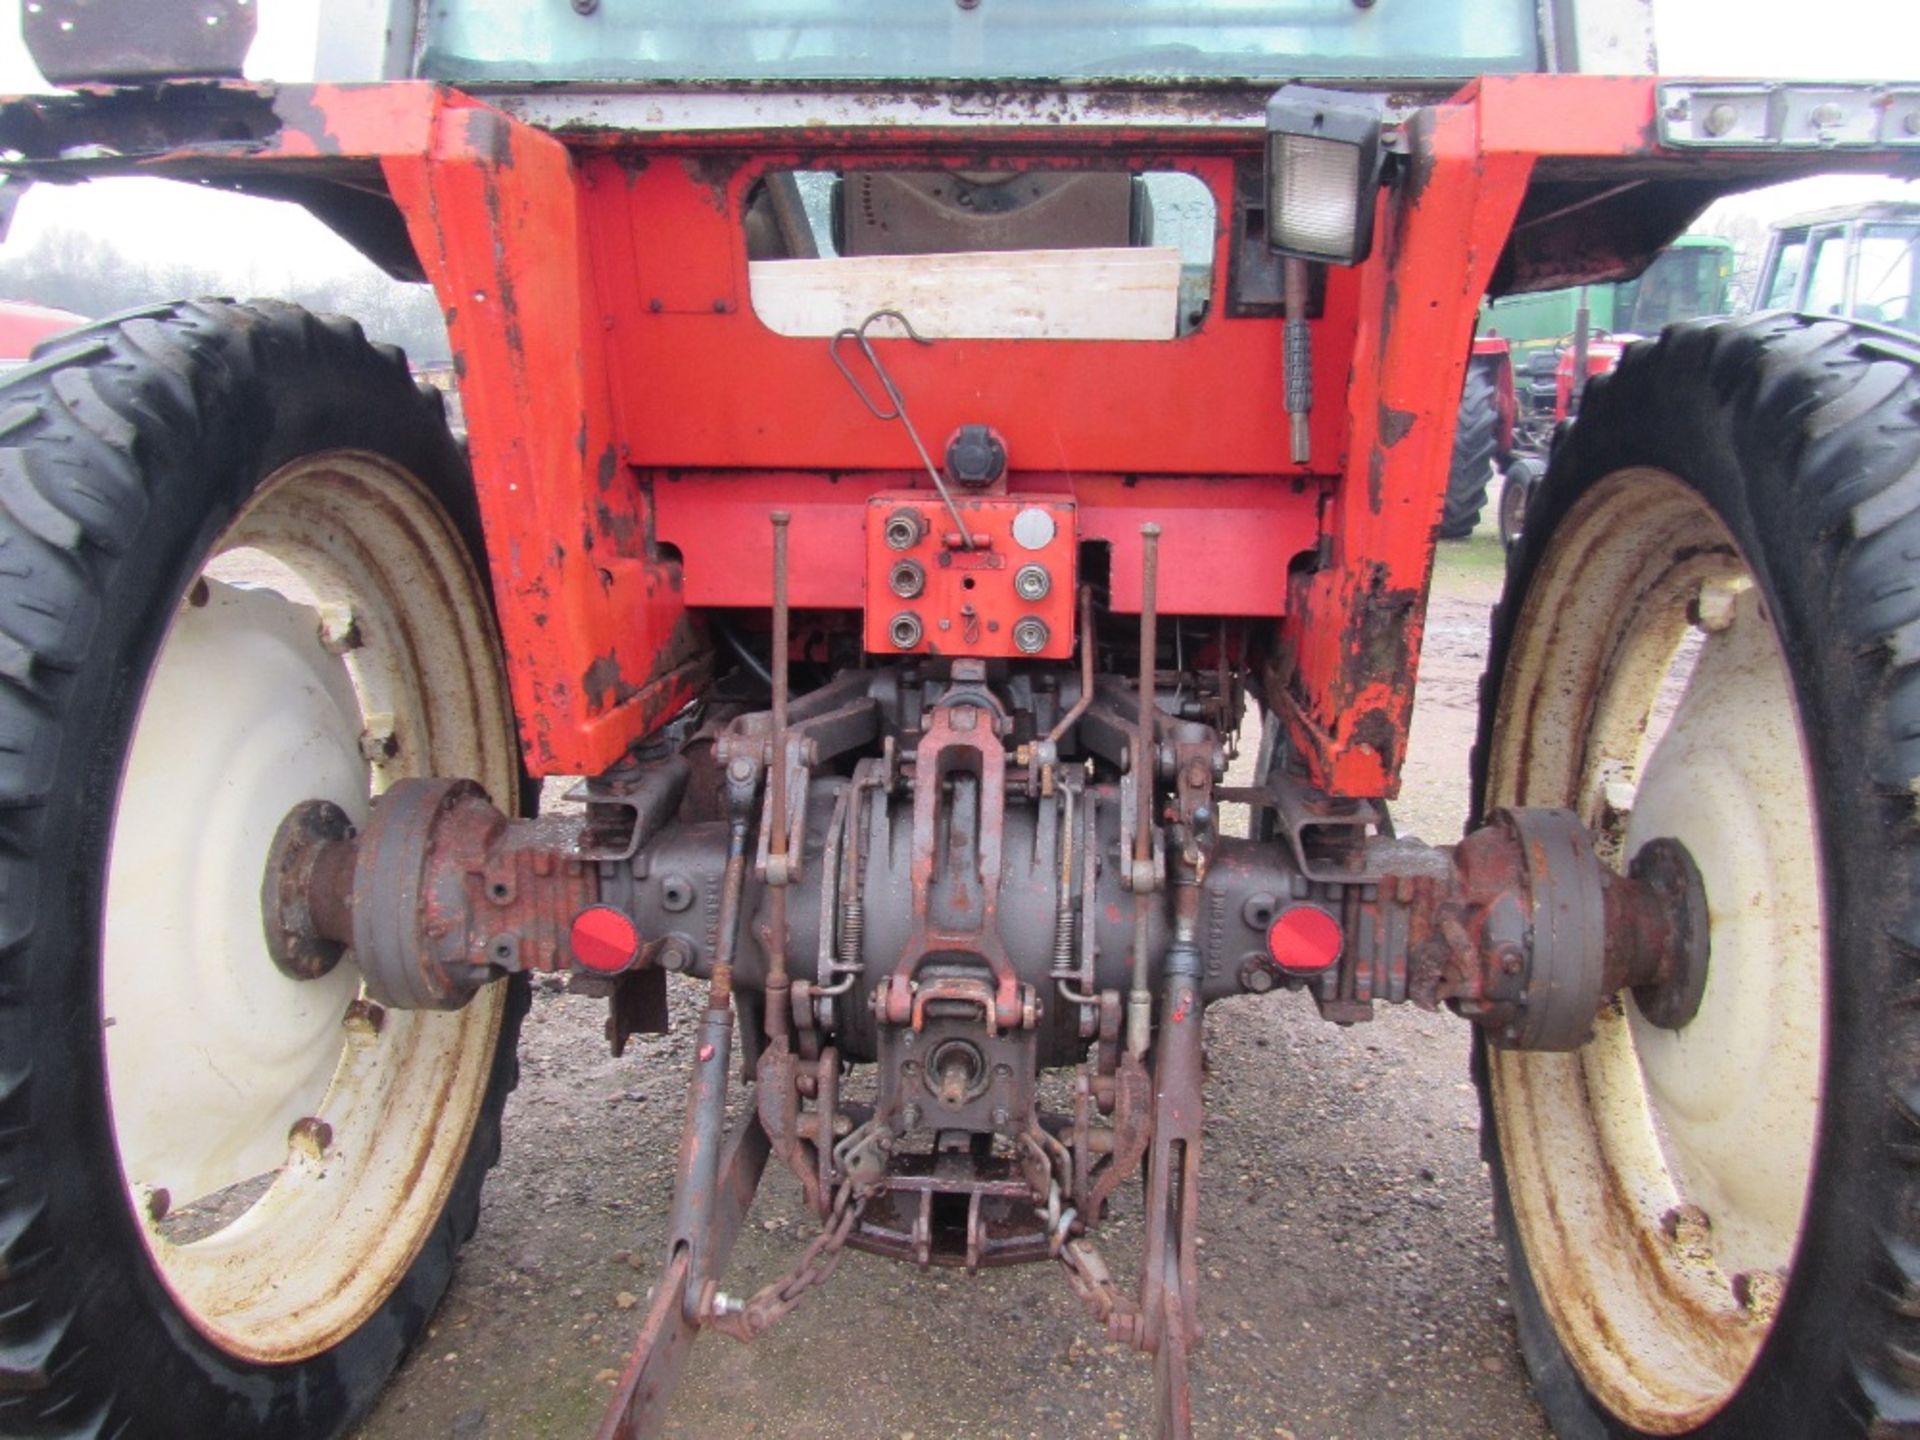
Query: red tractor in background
column 1485, row 436
column 890, row 503
column 1507, row 422
column 23, row 326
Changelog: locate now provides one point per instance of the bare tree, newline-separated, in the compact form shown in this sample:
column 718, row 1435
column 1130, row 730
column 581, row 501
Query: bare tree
column 92, row 275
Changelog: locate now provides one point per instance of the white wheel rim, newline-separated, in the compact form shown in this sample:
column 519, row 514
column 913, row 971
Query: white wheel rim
column 259, row 699
column 1659, row 1178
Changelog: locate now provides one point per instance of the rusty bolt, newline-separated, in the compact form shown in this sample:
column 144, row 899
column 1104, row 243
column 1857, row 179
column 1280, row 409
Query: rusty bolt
column 1758, row 1292
column 1512, row 962
column 363, row 1020
column 1688, row 1227
column 310, row 1137
column 159, row 1202
column 378, row 743
column 741, row 770
column 675, row 954
column 1256, row 978
column 339, row 629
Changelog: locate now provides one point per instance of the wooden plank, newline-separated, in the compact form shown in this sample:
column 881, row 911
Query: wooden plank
column 1106, row 294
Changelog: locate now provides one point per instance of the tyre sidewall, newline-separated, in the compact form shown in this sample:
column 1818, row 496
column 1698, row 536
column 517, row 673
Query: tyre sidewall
column 266, row 394
column 1744, row 452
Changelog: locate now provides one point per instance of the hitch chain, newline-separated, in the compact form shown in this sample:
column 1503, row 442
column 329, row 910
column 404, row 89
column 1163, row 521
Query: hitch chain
column 1106, row 1302
column 773, row 1301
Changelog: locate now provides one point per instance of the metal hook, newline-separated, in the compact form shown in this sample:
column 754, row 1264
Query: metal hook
column 896, row 408
column 859, row 337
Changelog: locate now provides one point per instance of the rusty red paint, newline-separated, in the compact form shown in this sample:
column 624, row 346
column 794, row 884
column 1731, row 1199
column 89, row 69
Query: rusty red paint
column 1357, row 642
column 622, row 395
column 694, row 368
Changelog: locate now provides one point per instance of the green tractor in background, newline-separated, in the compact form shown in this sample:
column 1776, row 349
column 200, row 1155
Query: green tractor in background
column 1865, row 264
column 1520, row 382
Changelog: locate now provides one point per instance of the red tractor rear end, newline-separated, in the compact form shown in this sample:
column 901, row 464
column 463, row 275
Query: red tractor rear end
column 892, row 512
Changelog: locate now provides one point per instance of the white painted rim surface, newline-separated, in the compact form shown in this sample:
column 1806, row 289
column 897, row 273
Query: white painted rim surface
column 259, row 700
column 1659, row 1179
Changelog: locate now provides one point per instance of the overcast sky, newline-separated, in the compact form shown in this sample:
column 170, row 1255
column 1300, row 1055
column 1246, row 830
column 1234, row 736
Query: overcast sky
column 258, row 241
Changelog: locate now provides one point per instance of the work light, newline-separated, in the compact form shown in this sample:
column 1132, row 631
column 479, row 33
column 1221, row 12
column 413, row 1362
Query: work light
column 1323, row 171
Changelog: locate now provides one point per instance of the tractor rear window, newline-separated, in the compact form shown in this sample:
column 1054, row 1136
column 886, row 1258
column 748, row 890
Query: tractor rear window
column 669, row 40
column 1684, row 282
column 1054, row 255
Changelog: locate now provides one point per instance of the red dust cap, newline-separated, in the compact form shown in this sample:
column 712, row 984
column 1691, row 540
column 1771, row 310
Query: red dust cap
column 1304, row 940
column 605, row 940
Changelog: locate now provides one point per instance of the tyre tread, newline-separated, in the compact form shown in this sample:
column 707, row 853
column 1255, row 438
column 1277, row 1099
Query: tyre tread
column 1849, row 416
column 82, row 428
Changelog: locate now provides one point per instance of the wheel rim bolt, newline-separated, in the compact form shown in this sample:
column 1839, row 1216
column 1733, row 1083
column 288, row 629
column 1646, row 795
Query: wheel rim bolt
column 1712, row 609
column 1687, row 1227
column 310, row 1137
column 363, row 1020
column 378, row 742
column 1758, row 1292
column 339, row 630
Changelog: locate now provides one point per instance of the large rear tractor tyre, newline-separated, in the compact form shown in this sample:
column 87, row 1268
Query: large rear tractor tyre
column 237, row 571
column 1711, row 631
column 1475, row 438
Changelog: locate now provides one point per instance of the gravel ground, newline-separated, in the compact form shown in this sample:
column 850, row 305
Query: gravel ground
column 1352, row 1286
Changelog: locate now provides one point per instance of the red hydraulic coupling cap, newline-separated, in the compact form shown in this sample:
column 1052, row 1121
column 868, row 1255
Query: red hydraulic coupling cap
column 1304, row 940
column 605, row 940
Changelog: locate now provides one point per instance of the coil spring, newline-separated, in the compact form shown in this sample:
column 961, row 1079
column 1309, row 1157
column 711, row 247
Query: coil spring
column 853, row 924
column 1063, row 928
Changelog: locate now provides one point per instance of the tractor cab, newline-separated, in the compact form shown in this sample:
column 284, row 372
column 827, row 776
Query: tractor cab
column 1860, row 262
